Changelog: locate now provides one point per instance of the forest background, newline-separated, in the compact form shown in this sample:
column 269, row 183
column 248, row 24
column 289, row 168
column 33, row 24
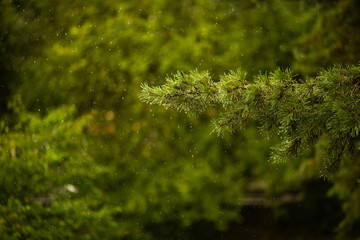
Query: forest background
column 81, row 157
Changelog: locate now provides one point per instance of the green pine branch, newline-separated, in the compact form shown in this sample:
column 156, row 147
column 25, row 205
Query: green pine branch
column 300, row 111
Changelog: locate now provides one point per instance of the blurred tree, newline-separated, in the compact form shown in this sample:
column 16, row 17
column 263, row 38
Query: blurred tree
column 141, row 168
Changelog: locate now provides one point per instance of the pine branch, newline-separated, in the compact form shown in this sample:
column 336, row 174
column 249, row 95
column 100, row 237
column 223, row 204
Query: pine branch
column 299, row 111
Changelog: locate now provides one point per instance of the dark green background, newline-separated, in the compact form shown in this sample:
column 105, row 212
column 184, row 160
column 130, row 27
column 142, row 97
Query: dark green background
column 82, row 158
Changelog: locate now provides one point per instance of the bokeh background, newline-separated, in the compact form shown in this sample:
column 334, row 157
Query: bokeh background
column 82, row 158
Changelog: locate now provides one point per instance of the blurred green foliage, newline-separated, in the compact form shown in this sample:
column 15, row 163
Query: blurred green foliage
column 82, row 158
